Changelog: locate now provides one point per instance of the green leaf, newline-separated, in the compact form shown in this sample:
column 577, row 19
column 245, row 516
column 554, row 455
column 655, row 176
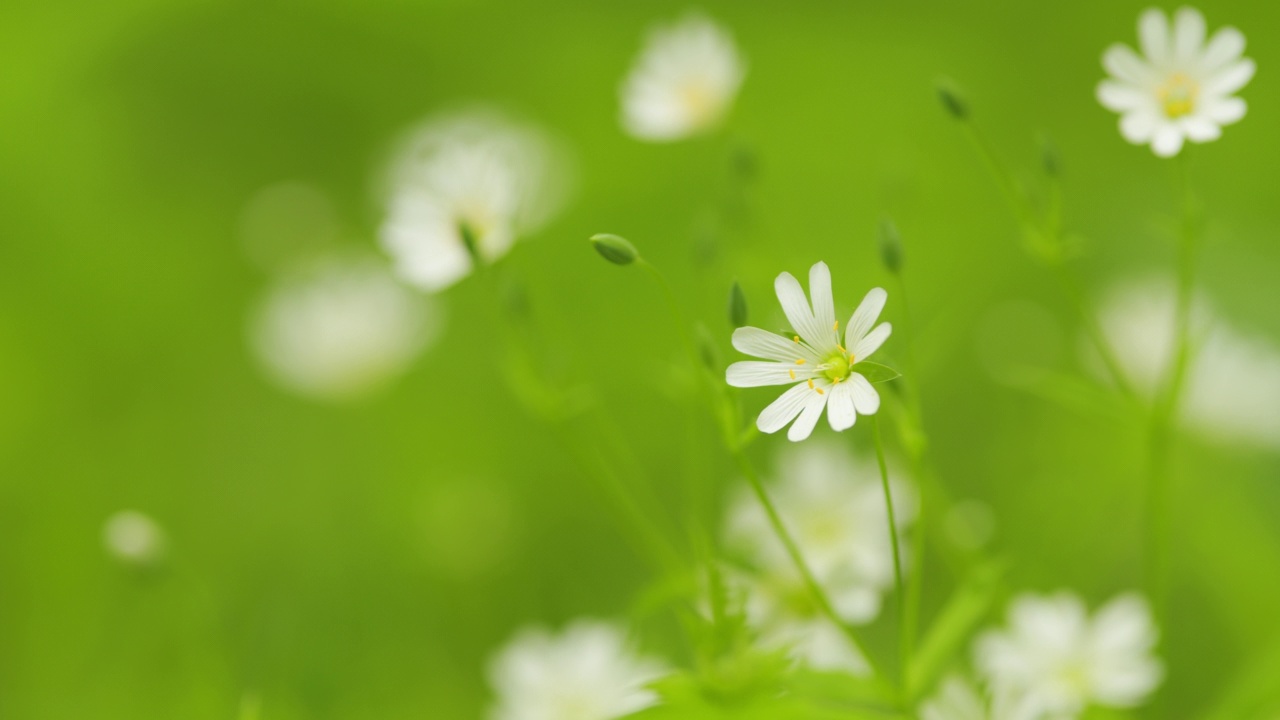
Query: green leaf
column 968, row 606
column 875, row 372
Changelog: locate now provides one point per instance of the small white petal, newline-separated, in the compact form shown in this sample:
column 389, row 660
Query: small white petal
column 1153, row 33
column 865, row 397
column 841, row 412
column 1139, row 127
column 1125, row 64
column 824, row 307
column 796, row 307
column 865, row 316
column 809, row 416
column 1226, row 45
column 783, row 410
column 1200, row 129
column 872, row 342
column 1230, row 79
column 1167, row 140
column 1225, row 111
column 764, row 344
column 1188, row 33
column 1121, row 97
column 753, row 373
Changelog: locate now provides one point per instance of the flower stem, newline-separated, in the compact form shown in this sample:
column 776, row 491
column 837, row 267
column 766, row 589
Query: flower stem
column 904, row 646
column 797, row 559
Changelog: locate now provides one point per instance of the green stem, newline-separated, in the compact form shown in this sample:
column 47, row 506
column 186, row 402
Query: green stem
column 797, row 559
column 919, row 446
column 904, row 648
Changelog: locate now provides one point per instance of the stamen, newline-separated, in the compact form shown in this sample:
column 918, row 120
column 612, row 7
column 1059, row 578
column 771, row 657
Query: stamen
column 811, row 387
column 800, row 361
column 820, row 391
column 793, row 374
column 836, row 327
column 796, row 338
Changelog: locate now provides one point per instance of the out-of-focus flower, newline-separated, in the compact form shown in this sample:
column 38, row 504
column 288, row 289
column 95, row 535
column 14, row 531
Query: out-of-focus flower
column 1057, row 660
column 463, row 188
column 684, row 81
column 340, row 329
column 834, row 508
column 586, row 672
column 1183, row 89
column 1233, row 381
column 133, row 538
column 822, row 369
column 958, row 699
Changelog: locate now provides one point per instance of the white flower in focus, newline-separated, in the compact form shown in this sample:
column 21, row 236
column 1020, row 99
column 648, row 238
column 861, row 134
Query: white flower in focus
column 133, row 538
column 683, row 82
column 1058, row 660
column 463, row 187
column 341, row 329
column 586, row 672
column 834, row 508
column 814, row 359
column 1183, row 89
column 1233, row 380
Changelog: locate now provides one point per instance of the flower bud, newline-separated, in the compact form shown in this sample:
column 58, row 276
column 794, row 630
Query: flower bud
column 737, row 306
column 1049, row 158
column 890, row 246
column 952, row 100
column 615, row 249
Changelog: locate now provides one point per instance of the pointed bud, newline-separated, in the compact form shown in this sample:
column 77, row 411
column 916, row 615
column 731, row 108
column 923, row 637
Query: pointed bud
column 890, row 246
column 737, row 306
column 1049, row 159
column 707, row 351
column 952, row 100
column 615, row 249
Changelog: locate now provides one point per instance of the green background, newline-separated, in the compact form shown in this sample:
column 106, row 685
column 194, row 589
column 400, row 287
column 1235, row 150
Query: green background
column 363, row 559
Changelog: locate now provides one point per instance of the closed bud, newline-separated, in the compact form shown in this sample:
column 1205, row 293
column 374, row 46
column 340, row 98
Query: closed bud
column 890, row 246
column 707, row 351
column 737, row 306
column 615, row 249
column 1049, row 159
column 952, row 100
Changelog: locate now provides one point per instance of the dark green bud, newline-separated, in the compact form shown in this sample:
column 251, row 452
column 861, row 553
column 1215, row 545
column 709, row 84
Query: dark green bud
column 952, row 100
column 1049, row 158
column 615, row 249
column 890, row 246
column 737, row 306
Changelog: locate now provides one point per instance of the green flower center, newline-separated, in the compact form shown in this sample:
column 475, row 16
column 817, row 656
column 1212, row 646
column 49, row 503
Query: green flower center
column 1178, row 95
column 837, row 367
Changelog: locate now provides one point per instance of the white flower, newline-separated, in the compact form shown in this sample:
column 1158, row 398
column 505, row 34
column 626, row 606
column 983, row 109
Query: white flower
column 683, row 82
column 340, row 329
column 834, row 508
column 1183, row 88
column 1058, row 660
column 814, row 359
column 958, row 699
column 466, row 186
column 133, row 538
column 1233, row 380
column 587, row 672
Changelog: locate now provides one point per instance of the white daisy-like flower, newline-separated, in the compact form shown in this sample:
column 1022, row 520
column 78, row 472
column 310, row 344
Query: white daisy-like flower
column 957, row 698
column 834, row 507
column 133, row 538
column 1183, row 89
column 1058, row 660
column 340, row 329
column 463, row 187
column 586, row 672
column 684, row 81
column 822, row 368
column 1233, row 381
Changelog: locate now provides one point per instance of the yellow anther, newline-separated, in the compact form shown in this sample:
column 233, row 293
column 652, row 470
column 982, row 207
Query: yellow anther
column 836, row 327
column 836, row 381
column 841, row 349
column 820, row 391
column 811, row 384
column 800, row 361
column 793, row 374
column 796, row 338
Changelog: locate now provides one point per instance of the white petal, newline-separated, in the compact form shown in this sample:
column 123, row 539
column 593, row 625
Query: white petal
column 1153, row 34
column 1226, row 45
column 1224, row 111
column 1230, row 79
column 753, row 373
column 783, row 410
column 1139, row 127
column 796, row 307
column 764, row 344
column 1188, row 33
column 872, row 342
column 1200, row 129
column 840, row 408
column 1125, row 64
column 865, row 316
column 1121, row 97
column 865, row 397
column 1167, row 140
column 808, row 420
column 824, row 307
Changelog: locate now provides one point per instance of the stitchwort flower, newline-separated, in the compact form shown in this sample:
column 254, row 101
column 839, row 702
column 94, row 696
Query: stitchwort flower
column 586, row 672
column 1183, row 89
column 825, row 369
column 683, row 82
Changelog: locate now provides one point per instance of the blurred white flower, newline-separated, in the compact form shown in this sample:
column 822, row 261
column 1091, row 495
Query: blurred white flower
column 834, row 507
column 684, row 81
column 1233, row 380
column 340, row 329
column 958, row 699
column 1183, row 89
column 821, row 368
column 133, row 538
column 586, row 672
column 1058, row 660
column 465, row 186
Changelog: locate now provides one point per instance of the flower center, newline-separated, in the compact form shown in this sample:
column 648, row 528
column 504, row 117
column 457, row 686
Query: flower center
column 837, row 367
column 698, row 99
column 1178, row 95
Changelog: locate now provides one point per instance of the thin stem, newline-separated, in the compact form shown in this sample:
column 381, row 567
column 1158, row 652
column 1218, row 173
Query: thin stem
column 1071, row 288
column 797, row 559
column 904, row 648
column 917, row 452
